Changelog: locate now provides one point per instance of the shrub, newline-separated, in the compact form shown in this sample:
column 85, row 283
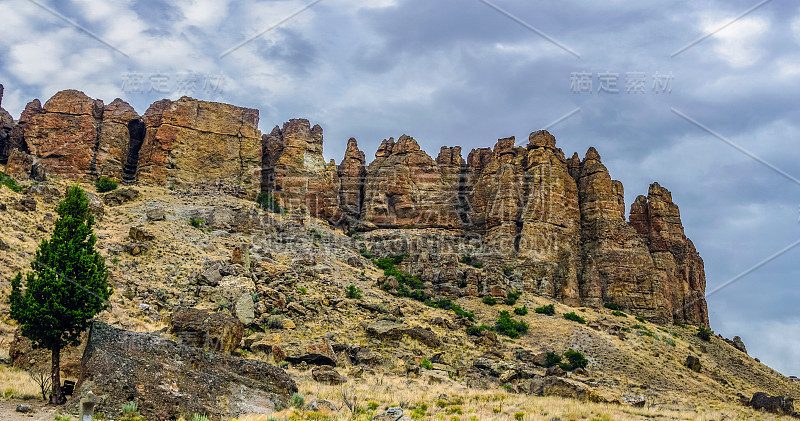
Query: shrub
column 489, row 300
column 130, row 410
column 198, row 417
column 612, row 306
column 353, row 292
column 196, row 222
column 364, row 252
column 105, row 184
column 268, row 202
column 10, row 183
column 505, row 325
column 551, row 359
column 619, row 313
column 519, row 416
column 704, row 333
column 477, row 330
column 426, row 364
column 513, row 297
column 640, row 319
column 372, row 405
column 463, row 313
column 521, row 311
column 576, row 359
column 549, row 310
column 575, row 318
column 297, row 400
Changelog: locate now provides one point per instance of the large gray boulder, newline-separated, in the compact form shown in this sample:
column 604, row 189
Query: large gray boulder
column 167, row 379
column 783, row 405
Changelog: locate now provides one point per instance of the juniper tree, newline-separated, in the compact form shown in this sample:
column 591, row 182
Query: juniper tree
column 67, row 287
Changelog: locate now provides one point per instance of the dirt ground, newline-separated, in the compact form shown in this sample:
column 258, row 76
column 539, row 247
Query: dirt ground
column 41, row 412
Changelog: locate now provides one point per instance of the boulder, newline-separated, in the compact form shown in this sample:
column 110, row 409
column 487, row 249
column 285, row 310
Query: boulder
column 322, row 405
column 317, row 352
column 782, row 405
column 140, row 234
column 386, row 330
column 327, row 375
column 634, row 400
column 393, row 413
column 120, row 196
column 216, row 331
column 245, row 309
column 167, row 379
column 693, row 363
column 24, row 356
column 558, row 386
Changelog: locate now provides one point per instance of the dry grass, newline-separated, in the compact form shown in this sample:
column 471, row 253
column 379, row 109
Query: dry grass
column 425, row 401
column 17, row 384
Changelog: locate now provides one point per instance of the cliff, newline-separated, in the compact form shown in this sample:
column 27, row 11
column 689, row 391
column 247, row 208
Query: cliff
column 508, row 217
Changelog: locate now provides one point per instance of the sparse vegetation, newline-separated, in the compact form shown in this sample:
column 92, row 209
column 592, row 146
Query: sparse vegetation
column 521, row 311
column 575, row 318
column 551, row 358
column 41, row 375
column 354, row 292
column 10, row 183
column 512, row 297
column 468, row 259
column 426, row 364
column 549, row 310
column 104, row 184
column 196, row 222
column 704, row 333
column 477, row 329
column 640, row 319
column 505, row 325
column 267, row 202
column 297, row 400
column 618, row 313
column 489, row 300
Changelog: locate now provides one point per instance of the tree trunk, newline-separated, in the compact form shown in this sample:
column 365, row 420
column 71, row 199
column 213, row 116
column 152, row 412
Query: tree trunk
column 55, row 374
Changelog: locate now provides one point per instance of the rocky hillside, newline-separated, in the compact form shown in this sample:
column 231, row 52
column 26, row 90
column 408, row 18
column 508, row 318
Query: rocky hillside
column 278, row 286
column 522, row 218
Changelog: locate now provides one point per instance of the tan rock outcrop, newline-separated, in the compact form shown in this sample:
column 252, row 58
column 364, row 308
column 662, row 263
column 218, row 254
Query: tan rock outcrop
column 295, row 173
column 114, row 139
column 190, row 142
column 678, row 265
column 405, row 188
column 352, row 171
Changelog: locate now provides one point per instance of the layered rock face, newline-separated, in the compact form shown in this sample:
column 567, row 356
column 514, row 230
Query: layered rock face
column 176, row 143
column 535, row 220
column 295, row 173
column 190, row 142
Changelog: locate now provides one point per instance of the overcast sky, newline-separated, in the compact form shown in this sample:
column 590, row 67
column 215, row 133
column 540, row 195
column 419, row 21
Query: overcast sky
column 673, row 98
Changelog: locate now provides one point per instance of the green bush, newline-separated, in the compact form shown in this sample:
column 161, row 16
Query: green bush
column 519, row 416
column 575, row 318
column 268, row 202
column 372, row 405
column 364, row 252
column 426, row 364
column 196, row 222
column 10, row 183
column 513, row 297
column 612, row 306
column 551, row 359
column 105, row 184
column 619, row 313
column 640, row 319
column 477, row 330
column 198, row 417
column 297, row 400
column 505, row 325
column 521, row 311
column 576, row 359
column 549, row 310
column 354, row 292
column 446, row 304
column 489, row 300
column 704, row 333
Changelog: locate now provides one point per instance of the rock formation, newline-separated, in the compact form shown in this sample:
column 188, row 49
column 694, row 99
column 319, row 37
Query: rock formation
column 165, row 377
column 189, row 142
column 507, row 217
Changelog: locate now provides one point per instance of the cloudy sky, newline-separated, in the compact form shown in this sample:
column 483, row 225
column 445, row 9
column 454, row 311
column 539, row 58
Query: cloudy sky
column 696, row 95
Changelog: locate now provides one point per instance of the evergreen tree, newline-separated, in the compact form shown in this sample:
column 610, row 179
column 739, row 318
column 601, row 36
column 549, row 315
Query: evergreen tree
column 68, row 285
